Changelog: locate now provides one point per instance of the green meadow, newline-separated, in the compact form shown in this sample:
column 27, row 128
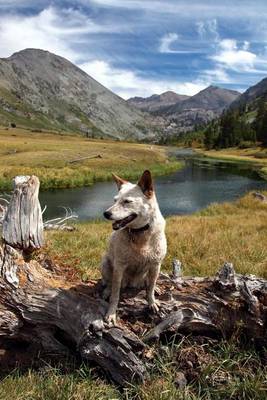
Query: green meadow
column 65, row 161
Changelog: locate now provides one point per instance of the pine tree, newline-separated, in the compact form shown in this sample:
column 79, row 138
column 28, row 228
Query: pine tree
column 260, row 123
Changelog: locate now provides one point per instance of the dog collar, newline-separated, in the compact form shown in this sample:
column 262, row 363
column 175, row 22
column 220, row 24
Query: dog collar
column 137, row 230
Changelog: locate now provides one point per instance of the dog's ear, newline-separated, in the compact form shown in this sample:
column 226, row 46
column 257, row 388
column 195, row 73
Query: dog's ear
column 119, row 181
column 146, row 184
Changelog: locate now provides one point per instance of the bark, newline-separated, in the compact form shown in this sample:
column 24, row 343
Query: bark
column 23, row 225
column 40, row 307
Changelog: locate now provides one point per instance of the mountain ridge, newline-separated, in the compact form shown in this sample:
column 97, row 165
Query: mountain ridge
column 157, row 102
column 187, row 113
column 45, row 89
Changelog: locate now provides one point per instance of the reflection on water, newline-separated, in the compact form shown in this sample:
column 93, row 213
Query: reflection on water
column 190, row 189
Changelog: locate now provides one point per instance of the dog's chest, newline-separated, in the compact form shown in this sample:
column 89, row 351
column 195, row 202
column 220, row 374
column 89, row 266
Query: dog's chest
column 142, row 251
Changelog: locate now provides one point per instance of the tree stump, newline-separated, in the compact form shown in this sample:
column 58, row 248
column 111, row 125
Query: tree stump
column 40, row 307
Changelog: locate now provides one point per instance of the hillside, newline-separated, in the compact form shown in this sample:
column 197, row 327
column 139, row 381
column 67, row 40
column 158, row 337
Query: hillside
column 251, row 97
column 243, row 123
column 39, row 89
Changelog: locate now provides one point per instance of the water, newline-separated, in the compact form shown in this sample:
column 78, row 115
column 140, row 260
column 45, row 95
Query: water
column 196, row 186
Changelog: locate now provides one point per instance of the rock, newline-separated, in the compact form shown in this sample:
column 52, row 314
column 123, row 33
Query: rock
column 180, row 380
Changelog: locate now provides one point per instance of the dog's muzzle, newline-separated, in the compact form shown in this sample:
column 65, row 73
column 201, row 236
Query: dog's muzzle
column 123, row 222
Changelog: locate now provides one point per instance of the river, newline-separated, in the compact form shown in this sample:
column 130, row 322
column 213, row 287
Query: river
column 190, row 189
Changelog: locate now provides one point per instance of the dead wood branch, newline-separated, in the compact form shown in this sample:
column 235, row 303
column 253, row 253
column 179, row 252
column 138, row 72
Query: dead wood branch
column 59, row 223
column 260, row 196
column 84, row 158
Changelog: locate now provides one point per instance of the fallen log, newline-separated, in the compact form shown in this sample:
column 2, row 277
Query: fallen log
column 40, row 307
column 84, row 158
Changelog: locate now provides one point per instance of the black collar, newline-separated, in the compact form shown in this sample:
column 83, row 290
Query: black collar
column 139, row 230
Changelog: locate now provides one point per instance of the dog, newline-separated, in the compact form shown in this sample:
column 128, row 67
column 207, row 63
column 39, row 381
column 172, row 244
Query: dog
column 138, row 244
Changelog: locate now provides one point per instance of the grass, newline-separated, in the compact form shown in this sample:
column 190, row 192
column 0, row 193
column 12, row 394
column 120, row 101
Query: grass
column 255, row 156
column 48, row 156
column 235, row 232
column 214, row 371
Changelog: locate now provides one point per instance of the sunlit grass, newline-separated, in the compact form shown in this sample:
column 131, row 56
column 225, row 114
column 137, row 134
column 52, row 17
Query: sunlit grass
column 50, row 156
column 255, row 154
column 234, row 232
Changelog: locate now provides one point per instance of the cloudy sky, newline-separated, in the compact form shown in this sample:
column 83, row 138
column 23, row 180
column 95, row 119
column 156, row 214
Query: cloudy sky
column 141, row 47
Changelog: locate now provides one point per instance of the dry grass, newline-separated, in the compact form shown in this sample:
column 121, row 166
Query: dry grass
column 47, row 155
column 255, row 155
column 234, row 232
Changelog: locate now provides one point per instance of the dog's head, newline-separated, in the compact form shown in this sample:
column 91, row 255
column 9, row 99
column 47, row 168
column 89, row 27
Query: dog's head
column 133, row 203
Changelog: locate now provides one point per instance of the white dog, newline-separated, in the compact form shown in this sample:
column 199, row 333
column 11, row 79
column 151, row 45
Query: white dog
column 137, row 245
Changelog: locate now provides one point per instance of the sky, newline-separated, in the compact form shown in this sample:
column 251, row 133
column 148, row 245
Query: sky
column 142, row 47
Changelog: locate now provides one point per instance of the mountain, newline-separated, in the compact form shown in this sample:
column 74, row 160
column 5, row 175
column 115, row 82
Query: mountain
column 157, row 103
column 39, row 89
column 251, row 97
column 180, row 114
column 201, row 108
column 243, row 123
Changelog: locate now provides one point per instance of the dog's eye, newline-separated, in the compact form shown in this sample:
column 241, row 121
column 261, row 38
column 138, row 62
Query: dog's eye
column 127, row 201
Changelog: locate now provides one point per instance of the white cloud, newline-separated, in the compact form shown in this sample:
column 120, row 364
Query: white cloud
column 166, row 41
column 194, row 9
column 128, row 83
column 246, row 45
column 217, row 75
column 208, row 29
column 232, row 56
column 52, row 29
column 169, row 39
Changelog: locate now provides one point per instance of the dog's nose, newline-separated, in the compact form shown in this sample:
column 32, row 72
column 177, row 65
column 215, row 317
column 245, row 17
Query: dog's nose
column 107, row 214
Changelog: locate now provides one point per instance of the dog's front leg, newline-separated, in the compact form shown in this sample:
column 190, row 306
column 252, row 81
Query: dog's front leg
column 153, row 274
column 115, row 294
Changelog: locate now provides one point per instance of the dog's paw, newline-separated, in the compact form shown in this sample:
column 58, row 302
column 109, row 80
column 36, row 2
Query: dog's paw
column 110, row 319
column 154, row 307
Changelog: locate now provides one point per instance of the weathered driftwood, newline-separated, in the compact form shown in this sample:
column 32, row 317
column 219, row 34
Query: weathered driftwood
column 23, row 224
column 259, row 196
column 60, row 223
column 55, row 224
column 40, row 307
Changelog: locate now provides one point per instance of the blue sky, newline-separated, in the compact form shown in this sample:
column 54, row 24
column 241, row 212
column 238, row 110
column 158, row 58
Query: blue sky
column 141, row 47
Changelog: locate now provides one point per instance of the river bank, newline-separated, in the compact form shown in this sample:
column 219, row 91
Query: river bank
column 67, row 161
column 256, row 157
column 184, row 191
